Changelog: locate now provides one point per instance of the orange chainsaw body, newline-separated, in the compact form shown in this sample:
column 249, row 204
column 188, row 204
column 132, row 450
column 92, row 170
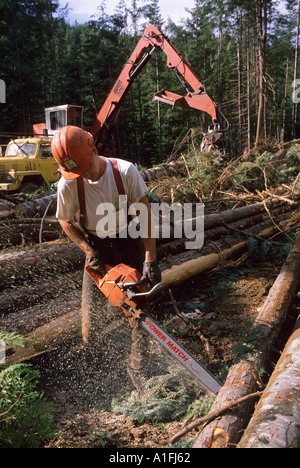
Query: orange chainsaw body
column 108, row 284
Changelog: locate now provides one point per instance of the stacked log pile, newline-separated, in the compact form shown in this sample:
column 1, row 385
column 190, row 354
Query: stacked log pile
column 225, row 234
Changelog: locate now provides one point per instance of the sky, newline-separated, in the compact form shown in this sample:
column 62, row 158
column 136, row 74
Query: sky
column 82, row 10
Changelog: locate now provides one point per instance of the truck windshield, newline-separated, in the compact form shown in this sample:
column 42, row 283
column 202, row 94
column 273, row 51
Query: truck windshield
column 21, row 149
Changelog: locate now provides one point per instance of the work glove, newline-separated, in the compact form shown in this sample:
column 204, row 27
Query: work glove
column 151, row 272
column 95, row 262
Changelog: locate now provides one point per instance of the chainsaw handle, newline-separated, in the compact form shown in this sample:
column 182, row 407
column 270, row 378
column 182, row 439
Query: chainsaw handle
column 125, row 286
column 146, row 294
column 155, row 288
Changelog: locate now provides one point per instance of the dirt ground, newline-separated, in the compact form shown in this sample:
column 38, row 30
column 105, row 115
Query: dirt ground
column 82, row 383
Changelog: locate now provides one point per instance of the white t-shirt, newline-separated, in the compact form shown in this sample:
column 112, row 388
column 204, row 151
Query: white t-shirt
column 102, row 198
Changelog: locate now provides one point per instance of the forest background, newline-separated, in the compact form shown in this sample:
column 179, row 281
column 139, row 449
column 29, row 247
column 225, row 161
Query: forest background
column 244, row 52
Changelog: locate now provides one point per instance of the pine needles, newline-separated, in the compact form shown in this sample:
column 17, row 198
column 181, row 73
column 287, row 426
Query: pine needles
column 167, row 397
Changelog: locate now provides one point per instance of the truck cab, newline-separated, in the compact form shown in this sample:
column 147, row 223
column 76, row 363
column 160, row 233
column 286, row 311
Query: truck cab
column 27, row 165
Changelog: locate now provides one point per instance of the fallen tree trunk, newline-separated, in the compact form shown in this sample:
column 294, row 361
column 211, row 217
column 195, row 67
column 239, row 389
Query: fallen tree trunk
column 173, row 169
column 29, row 231
column 17, row 268
column 39, row 206
column 47, row 337
column 229, row 216
column 36, row 207
column 276, row 421
column 211, row 416
column 189, row 263
column 243, row 377
column 24, row 231
column 34, row 230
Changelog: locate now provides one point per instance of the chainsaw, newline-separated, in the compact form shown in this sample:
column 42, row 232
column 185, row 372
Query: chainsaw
column 124, row 287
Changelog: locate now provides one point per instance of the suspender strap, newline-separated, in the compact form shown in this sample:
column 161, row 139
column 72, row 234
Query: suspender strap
column 117, row 176
column 81, row 199
column 81, row 194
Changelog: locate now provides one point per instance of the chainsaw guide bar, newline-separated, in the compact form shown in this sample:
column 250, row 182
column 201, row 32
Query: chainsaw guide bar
column 179, row 353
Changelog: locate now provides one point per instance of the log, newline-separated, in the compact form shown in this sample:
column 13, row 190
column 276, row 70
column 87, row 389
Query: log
column 173, row 169
column 20, row 267
column 46, row 337
column 26, row 231
column 189, row 263
column 243, row 377
column 209, row 417
column 36, row 207
column 229, row 216
column 29, row 231
column 56, row 257
column 274, row 311
column 276, row 419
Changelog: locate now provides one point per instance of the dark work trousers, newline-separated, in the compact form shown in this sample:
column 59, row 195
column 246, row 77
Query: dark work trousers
column 104, row 324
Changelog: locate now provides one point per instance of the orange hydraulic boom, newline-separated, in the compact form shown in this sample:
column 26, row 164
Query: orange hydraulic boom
column 152, row 38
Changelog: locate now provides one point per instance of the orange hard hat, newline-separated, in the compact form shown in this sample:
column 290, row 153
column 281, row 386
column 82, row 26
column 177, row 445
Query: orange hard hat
column 72, row 148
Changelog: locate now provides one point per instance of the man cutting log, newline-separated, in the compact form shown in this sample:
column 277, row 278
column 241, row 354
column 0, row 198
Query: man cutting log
column 99, row 190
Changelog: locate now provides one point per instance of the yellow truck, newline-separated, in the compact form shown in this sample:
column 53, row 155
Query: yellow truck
column 27, row 165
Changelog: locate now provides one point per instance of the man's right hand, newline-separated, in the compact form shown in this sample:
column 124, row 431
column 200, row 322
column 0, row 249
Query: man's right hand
column 95, row 262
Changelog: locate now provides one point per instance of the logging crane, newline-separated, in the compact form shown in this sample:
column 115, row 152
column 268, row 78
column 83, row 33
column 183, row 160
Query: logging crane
column 196, row 97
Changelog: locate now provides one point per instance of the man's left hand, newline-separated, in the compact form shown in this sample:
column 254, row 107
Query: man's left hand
column 151, row 272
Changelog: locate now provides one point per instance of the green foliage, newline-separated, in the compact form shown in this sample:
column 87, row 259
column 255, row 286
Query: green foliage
column 267, row 171
column 39, row 193
column 263, row 251
column 167, row 397
column 13, row 339
column 25, row 416
column 210, row 174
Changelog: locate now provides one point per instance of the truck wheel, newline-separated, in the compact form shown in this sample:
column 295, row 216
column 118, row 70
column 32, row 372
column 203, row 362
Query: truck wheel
column 29, row 187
